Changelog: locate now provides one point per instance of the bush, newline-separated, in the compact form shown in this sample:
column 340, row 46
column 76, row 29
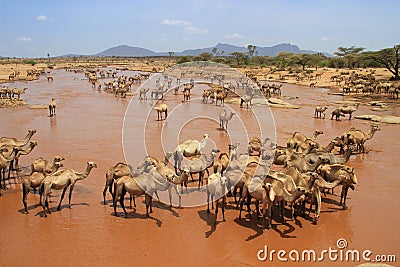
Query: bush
column 183, row 59
column 30, row 62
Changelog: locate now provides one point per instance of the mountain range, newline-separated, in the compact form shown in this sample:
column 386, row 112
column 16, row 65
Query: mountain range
column 131, row 51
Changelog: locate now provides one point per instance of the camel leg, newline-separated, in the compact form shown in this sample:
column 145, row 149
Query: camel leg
column 208, row 202
column 282, row 203
column 121, row 201
column 115, row 199
column 216, row 211
column 179, row 196
column 240, row 208
column 264, row 210
column 25, row 192
column 71, row 188
column 257, row 204
column 105, row 191
column 148, row 205
column 223, row 208
column 170, row 196
column 344, row 197
column 317, row 206
column 62, row 197
column 212, row 202
column 269, row 215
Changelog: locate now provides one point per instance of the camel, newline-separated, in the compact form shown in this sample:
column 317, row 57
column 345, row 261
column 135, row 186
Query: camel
column 134, row 187
column 307, row 146
column 188, row 148
column 221, row 163
column 221, row 97
column 246, row 99
column 333, row 172
column 161, row 108
column 200, row 165
column 4, row 161
column 49, row 78
column 14, row 163
column 186, row 95
column 359, row 138
column 348, row 109
column 143, row 93
column 216, row 188
column 52, row 107
column 298, row 138
column 18, row 92
column 255, row 145
column 332, row 158
column 233, row 151
column 260, row 192
column 146, row 183
column 43, row 166
column 312, row 84
column 313, row 183
column 337, row 114
column 118, row 170
column 319, row 111
column 224, row 118
column 16, row 142
column 62, row 180
column 34, row 181
column 237, row 178
column 302, row 165
column 283, row 193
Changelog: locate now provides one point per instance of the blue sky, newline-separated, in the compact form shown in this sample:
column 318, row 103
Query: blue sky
column 35, row 28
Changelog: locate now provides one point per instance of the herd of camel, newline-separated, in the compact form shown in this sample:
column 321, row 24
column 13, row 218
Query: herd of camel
column 278, row 177
column 301, row 171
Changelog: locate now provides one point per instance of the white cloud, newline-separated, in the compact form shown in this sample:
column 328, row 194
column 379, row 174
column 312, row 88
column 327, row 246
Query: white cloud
column 325, row 38
column 234, row 36
column 24, row 39
column 41, row 18
column 195, row 30
column 162, row 40
column 186, row 40
column 176, row 22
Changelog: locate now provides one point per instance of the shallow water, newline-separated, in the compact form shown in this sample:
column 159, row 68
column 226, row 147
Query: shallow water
column 88, row 127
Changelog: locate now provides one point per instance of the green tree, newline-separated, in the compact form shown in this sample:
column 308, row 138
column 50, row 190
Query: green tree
column 183, row 59
column 252, row 50
column 239, row 56
column 348, row 53
column 302, row 59
column 214, row 50
column 203, row 57
column 390, row 58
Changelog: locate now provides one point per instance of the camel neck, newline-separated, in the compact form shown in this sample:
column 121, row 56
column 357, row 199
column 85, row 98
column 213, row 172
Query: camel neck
column 82, row 176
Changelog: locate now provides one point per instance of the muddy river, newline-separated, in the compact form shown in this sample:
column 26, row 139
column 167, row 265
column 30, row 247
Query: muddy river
column 88, row 127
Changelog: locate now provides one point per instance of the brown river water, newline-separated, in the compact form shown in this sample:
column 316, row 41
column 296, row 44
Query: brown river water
column 88, row 127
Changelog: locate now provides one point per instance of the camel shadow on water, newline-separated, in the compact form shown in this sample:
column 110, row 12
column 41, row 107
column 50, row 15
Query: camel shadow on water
column 135, row 215
column 54, row 209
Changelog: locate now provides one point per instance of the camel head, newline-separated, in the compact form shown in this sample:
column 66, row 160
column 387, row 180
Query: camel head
column 33, row 143
column 270, row 191
column 91, row 164
column 58, row 165
column 32, row 132
column 318, row 132
column 58, row 158
column 205, row 136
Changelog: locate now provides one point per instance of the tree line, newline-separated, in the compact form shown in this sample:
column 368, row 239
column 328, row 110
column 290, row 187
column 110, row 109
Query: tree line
column 346, row 57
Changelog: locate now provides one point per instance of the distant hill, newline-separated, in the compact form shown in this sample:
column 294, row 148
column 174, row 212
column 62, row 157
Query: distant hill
column 131, row 51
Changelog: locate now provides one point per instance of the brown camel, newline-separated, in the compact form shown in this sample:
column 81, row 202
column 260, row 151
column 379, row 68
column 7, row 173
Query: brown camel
column 337, row 114
column 16, row 142
column 349, row 109
column 216, row 188
column 34, row 181
column 260, row 192
column 319, row 111
column 14, row 163
column 4, row 162
column 359, row 138
column 44, row 166
column 161, row 108
column 298, row 138
column 62, row 180
column 333, row 172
